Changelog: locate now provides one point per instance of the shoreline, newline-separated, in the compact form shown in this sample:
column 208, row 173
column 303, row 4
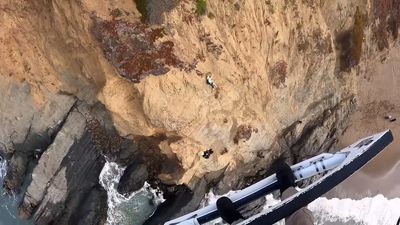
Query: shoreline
column 378, row 96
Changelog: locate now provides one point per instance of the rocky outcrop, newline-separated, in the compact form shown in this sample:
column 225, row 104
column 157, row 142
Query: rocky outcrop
column 133, row 178
column 27, row 127
column 179, row 200
column 57, row 132
column 65, row 182
column 92, row 209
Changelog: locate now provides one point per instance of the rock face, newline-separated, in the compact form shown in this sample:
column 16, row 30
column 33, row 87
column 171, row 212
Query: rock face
column 284, row 75
column 290, row 99
column 133, row 178
column 178, row 201
column 66, row 179
column 27, row 129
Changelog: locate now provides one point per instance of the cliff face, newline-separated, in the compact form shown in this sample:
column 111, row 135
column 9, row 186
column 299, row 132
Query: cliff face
column 283, row 72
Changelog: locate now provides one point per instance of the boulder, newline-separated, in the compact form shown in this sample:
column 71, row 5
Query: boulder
column 133, row 178
column 179, row 201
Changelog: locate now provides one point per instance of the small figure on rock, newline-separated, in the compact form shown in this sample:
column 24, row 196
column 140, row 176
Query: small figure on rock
column 211, row 82
column 390, row 118
column 37, row 153
column 207, row 153
column 353, row 101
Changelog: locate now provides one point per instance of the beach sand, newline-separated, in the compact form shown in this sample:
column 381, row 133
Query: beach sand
column 378, row 96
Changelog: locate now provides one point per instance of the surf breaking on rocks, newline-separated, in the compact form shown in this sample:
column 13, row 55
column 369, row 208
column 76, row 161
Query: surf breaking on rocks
column 133, row 209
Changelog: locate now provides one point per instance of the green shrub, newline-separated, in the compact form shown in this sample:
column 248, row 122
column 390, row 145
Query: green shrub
column 201, row 7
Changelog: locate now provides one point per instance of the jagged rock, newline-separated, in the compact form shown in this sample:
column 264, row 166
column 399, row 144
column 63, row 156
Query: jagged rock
column 253, row 208
column 179, row 201
column 27, row 125
column 66, row 180
column 91, row 210
column 133, row 178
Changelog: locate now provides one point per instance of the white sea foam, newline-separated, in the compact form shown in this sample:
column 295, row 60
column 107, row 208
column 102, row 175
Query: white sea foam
column 211, row 197
column 377, row 210
column 9, row 204
column 3, row 168
column 132, row 209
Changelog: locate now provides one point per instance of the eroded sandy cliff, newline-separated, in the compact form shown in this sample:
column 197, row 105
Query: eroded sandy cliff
column 284, row 73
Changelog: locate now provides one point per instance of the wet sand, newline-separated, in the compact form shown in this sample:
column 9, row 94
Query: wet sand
column 378, row 96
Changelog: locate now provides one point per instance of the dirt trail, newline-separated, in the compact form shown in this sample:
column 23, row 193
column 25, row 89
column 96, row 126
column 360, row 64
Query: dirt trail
column 378, row 96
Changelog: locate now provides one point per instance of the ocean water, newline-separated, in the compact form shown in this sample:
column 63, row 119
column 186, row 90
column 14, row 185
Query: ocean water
column 9, row 204
column 377, row 210
column 127, row 210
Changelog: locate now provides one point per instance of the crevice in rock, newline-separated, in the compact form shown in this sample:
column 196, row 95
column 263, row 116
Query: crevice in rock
column 29, row 129
column 296, row 148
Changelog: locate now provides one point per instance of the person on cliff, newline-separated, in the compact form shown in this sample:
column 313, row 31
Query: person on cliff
column 287, row 182
column 211, row 82
column 207, row 153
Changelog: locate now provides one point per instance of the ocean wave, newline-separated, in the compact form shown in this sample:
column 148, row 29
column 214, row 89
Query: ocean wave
column 9, row 203
column 133, row 209
column 376, row 210
column 3, row 169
